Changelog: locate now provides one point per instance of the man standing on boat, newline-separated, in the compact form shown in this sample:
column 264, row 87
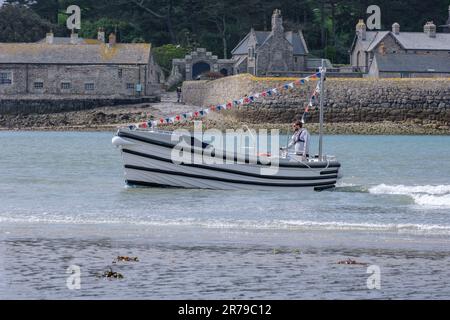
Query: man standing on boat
column 300, row 140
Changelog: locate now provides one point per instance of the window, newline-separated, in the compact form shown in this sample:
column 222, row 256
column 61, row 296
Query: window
column 5, row 77
column 39, row 85
column 89, row 86
column 65, row 85
column 251, row 52
column 120, row 72
column 130, row 86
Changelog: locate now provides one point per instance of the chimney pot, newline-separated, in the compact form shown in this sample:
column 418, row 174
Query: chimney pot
column 277, row 22
column 73, row 38
column 101, row 35
column 361, row 29
column 49, row 37
column 112, row 39
column 430, row 29
column 396, row 28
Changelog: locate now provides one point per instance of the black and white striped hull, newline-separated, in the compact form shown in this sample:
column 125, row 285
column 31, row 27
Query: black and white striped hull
column 147, row 162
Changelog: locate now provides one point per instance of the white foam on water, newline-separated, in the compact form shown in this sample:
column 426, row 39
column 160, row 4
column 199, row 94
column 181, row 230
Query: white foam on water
column 430, row 200
column 427, row 195
column 290, row 225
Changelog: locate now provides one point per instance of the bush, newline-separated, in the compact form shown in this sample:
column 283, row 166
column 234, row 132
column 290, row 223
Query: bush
column 165, row 54
column 211, row 75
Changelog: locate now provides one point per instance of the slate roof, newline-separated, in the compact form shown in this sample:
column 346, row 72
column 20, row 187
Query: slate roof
column 421, row 41
column 408, row 40
column 294, row 38
column 412, row 63
column 42, row 53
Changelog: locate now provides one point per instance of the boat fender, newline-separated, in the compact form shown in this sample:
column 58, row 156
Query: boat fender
column 118, row 141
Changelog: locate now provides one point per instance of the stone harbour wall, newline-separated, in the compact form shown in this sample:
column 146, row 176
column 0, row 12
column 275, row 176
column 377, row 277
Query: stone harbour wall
column 21, row 105
column 346, row 100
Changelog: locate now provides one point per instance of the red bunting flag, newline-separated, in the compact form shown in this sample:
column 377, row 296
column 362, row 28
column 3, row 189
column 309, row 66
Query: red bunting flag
column 245, row 100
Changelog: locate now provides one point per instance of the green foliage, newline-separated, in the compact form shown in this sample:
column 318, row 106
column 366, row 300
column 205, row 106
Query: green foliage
column 328, row 25
column 126, row 31
column 20, row 24
column 330, row 53
column 46, row 9
column 166, row 53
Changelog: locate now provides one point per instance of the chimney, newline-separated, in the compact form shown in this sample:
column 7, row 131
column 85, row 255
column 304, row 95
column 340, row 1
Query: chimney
column 73, row 37
column 112, row 39
column 101, row 35
column 49, row 37
column 277, row 22
column 430, row 29
column 396, row 28
column 446, row 26
column 361, row 30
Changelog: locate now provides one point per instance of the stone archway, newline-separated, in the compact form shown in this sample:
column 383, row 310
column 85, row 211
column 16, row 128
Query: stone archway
column 200, row 68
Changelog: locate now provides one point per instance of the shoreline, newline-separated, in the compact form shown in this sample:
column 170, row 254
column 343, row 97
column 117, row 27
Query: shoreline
column 351, row 128
column 109, row 119
column 220, row 122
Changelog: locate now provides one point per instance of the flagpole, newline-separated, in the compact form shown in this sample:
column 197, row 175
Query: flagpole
column 322, row 77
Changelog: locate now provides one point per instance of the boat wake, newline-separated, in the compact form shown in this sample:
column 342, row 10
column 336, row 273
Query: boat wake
column 428, row 195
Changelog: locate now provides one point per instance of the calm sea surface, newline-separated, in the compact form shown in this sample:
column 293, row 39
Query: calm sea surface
column 63, row 202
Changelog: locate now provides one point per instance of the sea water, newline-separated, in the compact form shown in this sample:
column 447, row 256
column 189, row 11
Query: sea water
column 63, row 202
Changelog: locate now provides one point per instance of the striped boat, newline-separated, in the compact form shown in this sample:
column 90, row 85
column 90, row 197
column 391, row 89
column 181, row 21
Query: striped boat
column 148, row 161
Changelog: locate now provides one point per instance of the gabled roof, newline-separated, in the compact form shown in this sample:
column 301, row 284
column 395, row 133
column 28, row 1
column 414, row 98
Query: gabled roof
column 412, row 63
column 297, row 41
column 407, row 40
column 42, row 53
column 372, row 37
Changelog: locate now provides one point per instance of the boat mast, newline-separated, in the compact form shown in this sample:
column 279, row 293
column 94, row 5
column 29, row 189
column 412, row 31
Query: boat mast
column 322, row 78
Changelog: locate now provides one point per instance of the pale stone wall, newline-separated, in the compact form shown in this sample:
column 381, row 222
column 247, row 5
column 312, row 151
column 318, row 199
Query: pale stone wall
column 276, row 54
column 107, row 79
column 347, row 100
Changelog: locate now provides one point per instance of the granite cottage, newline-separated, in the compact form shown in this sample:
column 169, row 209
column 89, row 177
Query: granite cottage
column 75, row 66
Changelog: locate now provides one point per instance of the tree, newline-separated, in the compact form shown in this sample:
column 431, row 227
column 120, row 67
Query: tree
column 46, row 9
column 21, row 24
column 126, row 32
column 165, row 54
column 166, row 15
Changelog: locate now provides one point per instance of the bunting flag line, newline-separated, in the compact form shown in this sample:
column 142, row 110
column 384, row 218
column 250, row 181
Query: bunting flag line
column 248, row 99
column 312, row 100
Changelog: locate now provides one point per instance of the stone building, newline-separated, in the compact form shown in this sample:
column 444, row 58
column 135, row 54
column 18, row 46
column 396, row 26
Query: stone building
column 75, row 66
column 401, row 54
column 259, row 53
column 195, row 64
column 265, row 52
